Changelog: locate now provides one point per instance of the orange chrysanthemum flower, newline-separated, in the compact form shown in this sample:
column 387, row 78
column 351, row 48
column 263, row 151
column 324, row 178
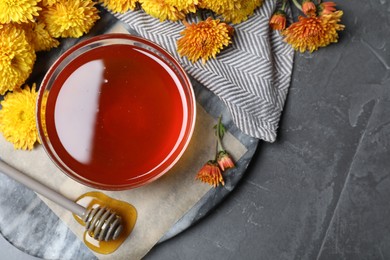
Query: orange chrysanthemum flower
column 211, row 174
column 17, row 118
column 70, row 18
column 119, row 6
column 204, row 39
column 17, row 58
column 278, row 21
column 161, row 10
column 20, row 11
column 311, row 33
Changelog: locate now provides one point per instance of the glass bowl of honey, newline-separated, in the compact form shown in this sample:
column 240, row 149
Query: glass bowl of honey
column 115, row 112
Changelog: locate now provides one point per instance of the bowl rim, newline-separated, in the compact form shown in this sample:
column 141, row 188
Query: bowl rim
column 189, row 96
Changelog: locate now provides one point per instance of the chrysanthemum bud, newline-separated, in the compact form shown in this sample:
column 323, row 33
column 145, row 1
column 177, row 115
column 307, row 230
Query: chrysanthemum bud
column 309, row 8
column 278, row 20
column 326, row 8
column 225, row 161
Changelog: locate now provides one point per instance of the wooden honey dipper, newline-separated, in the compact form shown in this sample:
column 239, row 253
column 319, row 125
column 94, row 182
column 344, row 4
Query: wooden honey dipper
column 101, row 223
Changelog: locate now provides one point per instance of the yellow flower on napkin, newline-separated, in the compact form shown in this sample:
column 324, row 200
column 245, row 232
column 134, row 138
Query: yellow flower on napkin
column 161, row 10
column 17, row 57
column 119, row 6
column 235, row 11
column 241, row 11
column 20, row 11
column 188, row 6
column 204, row 40
column 17, row 118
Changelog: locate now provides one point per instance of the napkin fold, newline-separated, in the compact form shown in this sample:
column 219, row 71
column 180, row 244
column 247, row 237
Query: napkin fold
column 251, row 77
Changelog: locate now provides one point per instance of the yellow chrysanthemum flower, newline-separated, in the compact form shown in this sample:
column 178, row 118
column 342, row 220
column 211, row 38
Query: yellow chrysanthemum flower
column 311, row 33
column 204, row 39
column 17, row 58
column 17, row 118
column 42, row 40
column 234, row 11
column 20, row 11
column 49, row 2
column 70, row 18
column 161, row 10
column 38, row 36
column 119, row 6
column 241, row 11
column 219, row 6
column 187, row 6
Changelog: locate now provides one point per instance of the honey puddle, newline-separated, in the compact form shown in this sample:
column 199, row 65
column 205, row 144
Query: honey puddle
column 126, row 211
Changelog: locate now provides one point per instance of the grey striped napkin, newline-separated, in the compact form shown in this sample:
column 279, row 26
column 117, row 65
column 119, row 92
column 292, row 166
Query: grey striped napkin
column 252, row 76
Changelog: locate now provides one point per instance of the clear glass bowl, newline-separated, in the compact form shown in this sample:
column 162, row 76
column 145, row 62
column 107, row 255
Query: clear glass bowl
column 115, row 112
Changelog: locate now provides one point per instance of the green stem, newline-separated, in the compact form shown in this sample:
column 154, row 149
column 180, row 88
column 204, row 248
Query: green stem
column 297, row 4
column 216, row 151
column 218, row 130
column 284, row 4
column 199, row 14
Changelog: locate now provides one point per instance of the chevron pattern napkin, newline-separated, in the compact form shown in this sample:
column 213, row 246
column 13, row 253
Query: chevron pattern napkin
column 251, row 76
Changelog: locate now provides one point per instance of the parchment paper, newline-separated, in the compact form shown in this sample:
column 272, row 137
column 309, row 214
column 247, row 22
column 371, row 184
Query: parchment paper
column 159, row 204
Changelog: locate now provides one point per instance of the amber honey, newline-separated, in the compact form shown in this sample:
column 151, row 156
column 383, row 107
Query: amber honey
column 115, row 115
column 125, row 210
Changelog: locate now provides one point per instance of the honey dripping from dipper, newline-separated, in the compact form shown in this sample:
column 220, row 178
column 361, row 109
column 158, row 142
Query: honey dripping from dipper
column 125, row 210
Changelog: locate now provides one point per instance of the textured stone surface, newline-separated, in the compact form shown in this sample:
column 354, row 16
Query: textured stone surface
column 322, row 191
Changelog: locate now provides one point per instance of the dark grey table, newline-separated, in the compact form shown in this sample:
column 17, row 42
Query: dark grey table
column 322, row 191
